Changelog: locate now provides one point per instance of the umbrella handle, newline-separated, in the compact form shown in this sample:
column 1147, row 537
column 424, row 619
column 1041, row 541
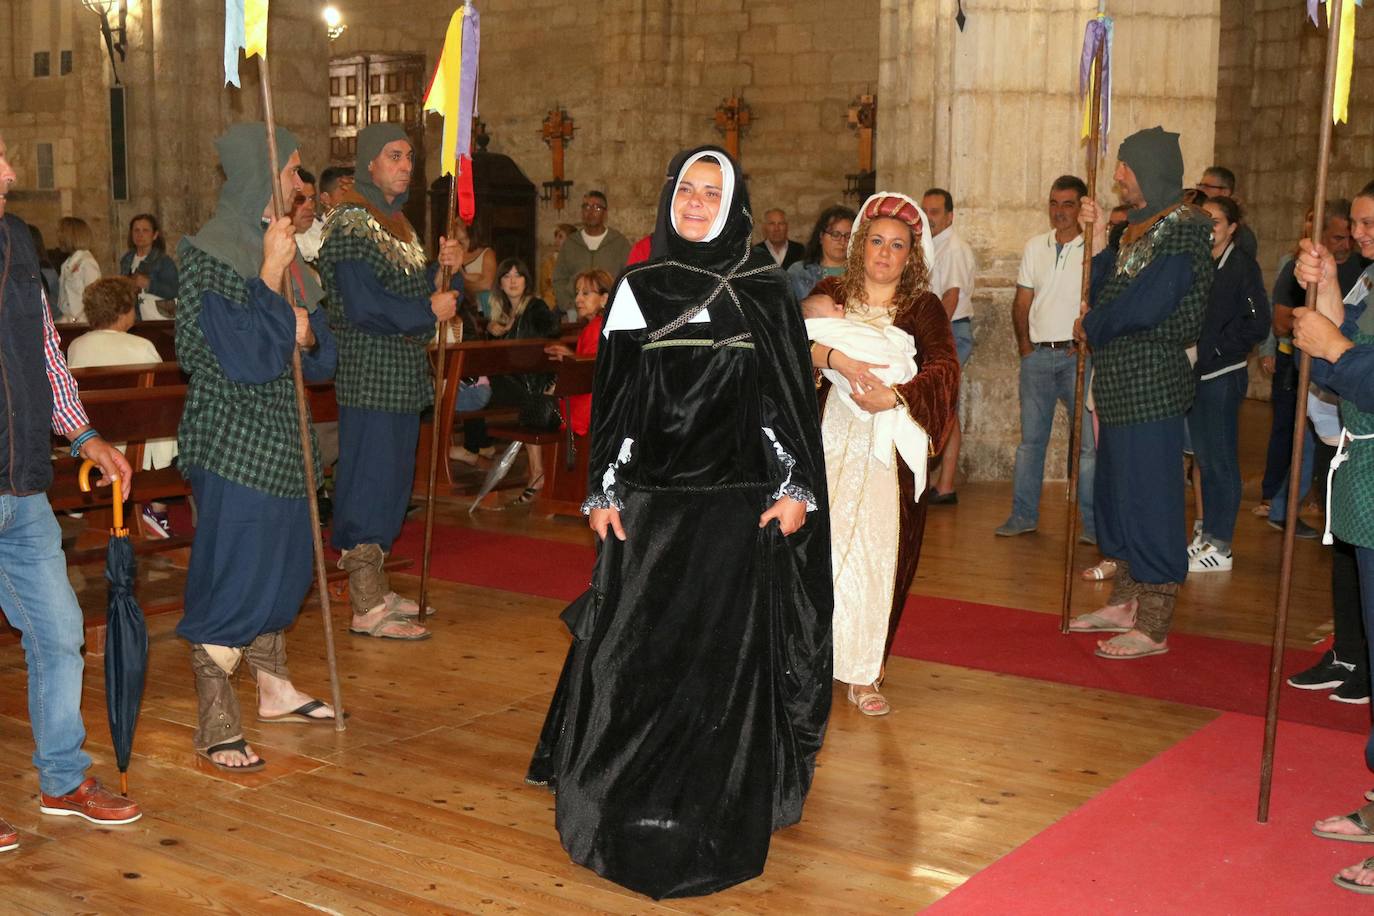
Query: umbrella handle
column 83, row 477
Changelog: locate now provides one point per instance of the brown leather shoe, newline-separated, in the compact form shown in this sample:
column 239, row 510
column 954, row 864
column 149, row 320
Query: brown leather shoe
column 9, row 837
column 93, row 802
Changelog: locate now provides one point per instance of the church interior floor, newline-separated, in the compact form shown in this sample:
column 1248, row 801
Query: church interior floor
column 420, row 805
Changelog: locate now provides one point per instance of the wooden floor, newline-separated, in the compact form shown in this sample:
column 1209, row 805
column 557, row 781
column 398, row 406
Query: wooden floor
column 420, row 807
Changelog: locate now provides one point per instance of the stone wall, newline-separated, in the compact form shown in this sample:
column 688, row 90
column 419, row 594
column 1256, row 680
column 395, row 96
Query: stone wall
column 1269, row 93
column 992, row 114
column 643, row 79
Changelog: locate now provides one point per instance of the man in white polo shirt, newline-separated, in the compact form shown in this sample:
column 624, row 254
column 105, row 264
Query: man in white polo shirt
column 1048, row 294
column 951, row 278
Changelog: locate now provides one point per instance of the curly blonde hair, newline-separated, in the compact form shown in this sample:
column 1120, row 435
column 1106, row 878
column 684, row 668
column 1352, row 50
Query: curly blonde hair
column 915, row 278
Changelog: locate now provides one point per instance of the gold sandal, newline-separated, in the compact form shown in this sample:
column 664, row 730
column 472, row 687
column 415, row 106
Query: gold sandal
column 869, row 701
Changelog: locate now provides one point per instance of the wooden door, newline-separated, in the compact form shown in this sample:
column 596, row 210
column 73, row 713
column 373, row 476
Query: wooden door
column 369, row 89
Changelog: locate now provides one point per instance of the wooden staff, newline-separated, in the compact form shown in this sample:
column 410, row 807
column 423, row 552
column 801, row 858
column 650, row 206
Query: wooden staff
column 1076, row 421
column 445, row 280
column 1271, row 711
column 302, row 411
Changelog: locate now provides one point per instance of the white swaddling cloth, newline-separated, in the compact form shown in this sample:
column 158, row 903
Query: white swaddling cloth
column 890, row 347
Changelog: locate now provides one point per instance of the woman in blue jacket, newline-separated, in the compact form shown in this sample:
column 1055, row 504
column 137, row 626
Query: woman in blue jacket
column 147, row 261
column 1236, row 321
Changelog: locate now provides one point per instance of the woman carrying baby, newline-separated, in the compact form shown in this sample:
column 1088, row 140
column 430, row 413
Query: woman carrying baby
column 867, row 426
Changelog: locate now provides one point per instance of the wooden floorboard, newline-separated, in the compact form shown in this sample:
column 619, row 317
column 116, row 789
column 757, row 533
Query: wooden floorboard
column 420, row 805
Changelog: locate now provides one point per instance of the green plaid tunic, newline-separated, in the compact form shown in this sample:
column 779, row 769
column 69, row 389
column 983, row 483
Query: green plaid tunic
column 244, row 433
column 1352, row 486
column 376, row 371
column 1146, row 376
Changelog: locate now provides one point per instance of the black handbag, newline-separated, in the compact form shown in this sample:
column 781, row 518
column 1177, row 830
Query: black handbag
column 539, row 412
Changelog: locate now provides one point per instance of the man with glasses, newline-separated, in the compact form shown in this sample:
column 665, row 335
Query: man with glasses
column 595, row 246
column 1219, row 181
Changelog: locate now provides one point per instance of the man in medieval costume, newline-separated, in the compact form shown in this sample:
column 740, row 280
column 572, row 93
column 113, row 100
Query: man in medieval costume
column 383, row 306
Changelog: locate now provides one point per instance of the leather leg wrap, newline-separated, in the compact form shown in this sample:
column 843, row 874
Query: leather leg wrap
column 1124, row 587
column 268, row 653
column 1156, row 612
column 219, row 719
column 367, row 582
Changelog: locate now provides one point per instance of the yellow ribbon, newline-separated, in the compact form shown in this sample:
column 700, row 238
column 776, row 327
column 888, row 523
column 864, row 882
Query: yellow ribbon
column 443, row 95
column 1345, row 62
column 255, row 28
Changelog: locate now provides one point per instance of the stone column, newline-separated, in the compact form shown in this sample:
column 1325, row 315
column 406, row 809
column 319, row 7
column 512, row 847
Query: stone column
column 992, row 114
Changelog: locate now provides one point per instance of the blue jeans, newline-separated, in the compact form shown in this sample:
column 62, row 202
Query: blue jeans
column 471, row 396
column 1278, row 506
column 962, row 329
column 1047, row 378
column 1214, row 422
column 39, row 602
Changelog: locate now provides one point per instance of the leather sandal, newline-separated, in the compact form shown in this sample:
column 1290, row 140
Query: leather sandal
column 1101, row 572
column 1361, row 820
column 238, row 745
column 869, row 701
column 378, row 629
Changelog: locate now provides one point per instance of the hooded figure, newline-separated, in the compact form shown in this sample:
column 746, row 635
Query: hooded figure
column 240, row 448
column 1148, row 300
column 695, row 695
column 378, row 281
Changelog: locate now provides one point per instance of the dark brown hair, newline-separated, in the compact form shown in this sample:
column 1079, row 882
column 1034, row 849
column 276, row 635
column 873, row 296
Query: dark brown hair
column 106, row 300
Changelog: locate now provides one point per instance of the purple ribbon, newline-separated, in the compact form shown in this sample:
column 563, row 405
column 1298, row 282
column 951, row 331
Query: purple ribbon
column 1312, row 7
column 1098, row 37
column 467, row 80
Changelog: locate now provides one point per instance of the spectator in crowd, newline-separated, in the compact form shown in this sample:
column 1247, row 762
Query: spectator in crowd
column 825, row 254
column 546, row 266
column 109, row 305
column 776, row 244
column 952, row 281
column 153, row 271
column 593, row 292
column 335, row 181
column 304, row 218
column 1219, row 181
column 517, row 314
column 1236, row 319
column 1116, row 225
column 479, row 263
column 1049, row 292
column 595, row 245
column 40, row 398
column 1344, row 668
column 79, row 266
column 46, row 269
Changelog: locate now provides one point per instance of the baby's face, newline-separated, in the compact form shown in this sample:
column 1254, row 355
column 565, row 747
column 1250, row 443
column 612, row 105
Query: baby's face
column 825, row 307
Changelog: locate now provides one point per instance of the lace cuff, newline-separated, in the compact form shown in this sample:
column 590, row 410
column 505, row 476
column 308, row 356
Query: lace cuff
column 607, row 498
column 787, row 488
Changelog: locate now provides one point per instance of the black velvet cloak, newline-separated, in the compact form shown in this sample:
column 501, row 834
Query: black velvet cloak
column 694, row 699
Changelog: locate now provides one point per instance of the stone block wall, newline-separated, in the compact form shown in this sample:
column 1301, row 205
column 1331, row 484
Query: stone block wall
column 992, row 114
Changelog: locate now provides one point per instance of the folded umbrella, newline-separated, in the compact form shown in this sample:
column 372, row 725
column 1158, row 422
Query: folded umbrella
column 496, row 474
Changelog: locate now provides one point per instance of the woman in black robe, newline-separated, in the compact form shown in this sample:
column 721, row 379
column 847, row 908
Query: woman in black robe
column 694, row 699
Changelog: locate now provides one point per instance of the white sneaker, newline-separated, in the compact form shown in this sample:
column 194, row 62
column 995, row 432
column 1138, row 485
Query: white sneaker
column 1197, row 546
column 1209, row 559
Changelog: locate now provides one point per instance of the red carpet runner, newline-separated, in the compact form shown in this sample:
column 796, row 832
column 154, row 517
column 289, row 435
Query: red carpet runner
column 1179, row 835
column 1199, row 671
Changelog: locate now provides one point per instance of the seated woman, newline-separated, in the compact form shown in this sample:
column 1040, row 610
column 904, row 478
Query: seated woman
column 151, row 267
column 79, row 267
column 109, row 306
column 694, row 699
column 517, row 314
column 593, row 291
column 479, row 264
column 876, row 520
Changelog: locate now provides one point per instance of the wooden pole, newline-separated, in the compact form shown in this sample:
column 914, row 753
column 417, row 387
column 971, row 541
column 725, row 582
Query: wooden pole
column 1081, row 349
column 302, row 412
column 445, row 280
column 1271, row 712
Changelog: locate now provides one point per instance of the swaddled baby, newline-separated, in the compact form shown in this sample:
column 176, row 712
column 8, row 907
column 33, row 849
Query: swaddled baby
column 893, row 350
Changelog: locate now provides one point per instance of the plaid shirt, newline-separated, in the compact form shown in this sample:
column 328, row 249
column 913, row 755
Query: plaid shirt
column 1145, row 376
column 388, row 372
column 244, row 433
column 67, row 413
column 1352, row 486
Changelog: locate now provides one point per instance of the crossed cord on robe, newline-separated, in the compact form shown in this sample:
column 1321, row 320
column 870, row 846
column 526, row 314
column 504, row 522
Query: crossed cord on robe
column 723, row 284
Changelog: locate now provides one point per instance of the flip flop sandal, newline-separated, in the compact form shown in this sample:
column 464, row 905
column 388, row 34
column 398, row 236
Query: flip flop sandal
column 241, row 747
column 398, row 604
column 866, row 696
column 1099, row 623
column 1101, row 572
column 1351, row 885
column 1128, row 641
column 1369, row 796
column 376, row 629
column 302, row 714
column 1359, row 820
